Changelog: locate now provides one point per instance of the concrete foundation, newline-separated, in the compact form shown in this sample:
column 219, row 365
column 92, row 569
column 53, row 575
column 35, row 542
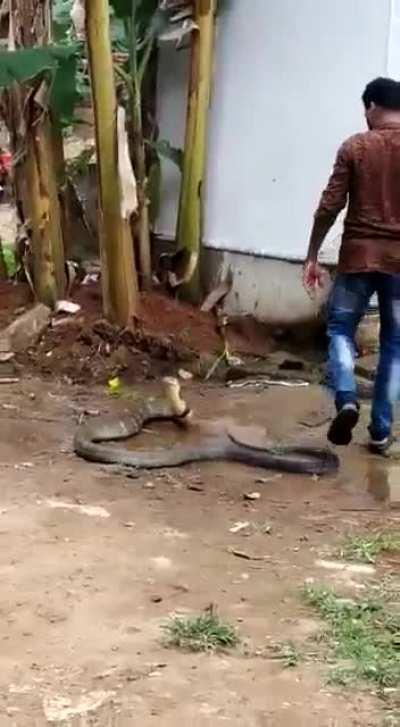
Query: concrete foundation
column 269, row 290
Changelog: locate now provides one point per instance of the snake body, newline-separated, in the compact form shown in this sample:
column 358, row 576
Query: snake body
column 90, row 438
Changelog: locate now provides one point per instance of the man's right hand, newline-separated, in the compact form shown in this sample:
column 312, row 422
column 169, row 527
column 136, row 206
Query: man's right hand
column 313, row 276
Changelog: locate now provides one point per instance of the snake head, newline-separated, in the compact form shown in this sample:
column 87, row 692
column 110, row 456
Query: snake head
column 172, row 389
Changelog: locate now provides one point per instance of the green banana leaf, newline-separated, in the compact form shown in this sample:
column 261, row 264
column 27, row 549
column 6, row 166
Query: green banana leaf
column 56, row 63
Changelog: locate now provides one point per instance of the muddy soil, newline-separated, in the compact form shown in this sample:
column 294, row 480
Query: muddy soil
column 93, row 564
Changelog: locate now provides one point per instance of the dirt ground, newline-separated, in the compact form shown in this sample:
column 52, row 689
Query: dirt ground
column 94, row 563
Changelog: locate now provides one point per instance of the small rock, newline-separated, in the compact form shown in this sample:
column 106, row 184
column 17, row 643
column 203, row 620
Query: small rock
column 185, row 375
column 237, row 527
column 26, row 330
column 156, row 599
column 67, row 306
column 251, row 496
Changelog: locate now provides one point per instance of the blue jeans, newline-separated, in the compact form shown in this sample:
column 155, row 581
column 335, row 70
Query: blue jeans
column 349, row 301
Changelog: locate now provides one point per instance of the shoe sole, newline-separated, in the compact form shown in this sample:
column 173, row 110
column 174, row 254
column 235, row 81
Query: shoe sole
column 382, row 450
column 341, row 429
column 373, row 449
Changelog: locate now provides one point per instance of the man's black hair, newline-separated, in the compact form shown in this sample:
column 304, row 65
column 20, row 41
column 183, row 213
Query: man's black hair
column 384, row 92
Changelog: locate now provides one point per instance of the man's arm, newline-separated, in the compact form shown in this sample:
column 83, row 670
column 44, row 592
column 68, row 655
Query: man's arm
column 333, row 200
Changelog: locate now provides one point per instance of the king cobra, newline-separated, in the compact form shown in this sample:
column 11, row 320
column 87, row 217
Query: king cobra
column 91, row 435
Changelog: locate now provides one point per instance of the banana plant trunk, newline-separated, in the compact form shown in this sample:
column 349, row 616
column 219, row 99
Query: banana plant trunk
column 135, row 84
column 189, row 226
column 119, row 280
column 62, row 185
column 143, row 223
column 35, row 178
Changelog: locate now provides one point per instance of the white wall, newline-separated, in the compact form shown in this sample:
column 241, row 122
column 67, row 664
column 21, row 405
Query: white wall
column 288, row 79
column 270, row 290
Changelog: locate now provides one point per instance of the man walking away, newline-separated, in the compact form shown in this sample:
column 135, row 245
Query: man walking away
column 366, row 177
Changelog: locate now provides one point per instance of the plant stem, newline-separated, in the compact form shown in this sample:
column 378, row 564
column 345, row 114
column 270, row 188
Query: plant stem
column 118, row 270
column 139, row 152
column 189, row 227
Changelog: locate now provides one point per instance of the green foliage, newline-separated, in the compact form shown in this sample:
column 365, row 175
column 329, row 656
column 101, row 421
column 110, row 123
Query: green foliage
column 142, row 10
column 61, row 17
column 56, row 64
column 201, row 633
column 135, row 25
column 63, row 32
column 9, row 260
column 366, row 548
column 364, row 635
column 145, row 22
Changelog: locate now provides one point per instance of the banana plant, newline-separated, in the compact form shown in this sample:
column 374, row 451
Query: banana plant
column 117, row 188
column 189, row 225
column 37, row 85
column 147, row 22
column 144, row 23
column 135, row 28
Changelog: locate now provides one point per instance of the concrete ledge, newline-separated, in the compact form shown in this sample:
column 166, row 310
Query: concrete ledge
column 269, row 290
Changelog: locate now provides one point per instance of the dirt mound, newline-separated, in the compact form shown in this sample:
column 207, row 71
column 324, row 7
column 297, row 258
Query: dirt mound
column 168, row 334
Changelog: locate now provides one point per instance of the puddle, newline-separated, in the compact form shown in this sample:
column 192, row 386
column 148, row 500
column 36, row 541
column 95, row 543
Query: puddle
column 373, row 482
column 383, row 482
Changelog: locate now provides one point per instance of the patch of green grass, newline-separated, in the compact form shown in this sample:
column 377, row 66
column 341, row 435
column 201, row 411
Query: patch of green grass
column 366, row 548
column 9, row 259
column 364, row 636
column 200, row 633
